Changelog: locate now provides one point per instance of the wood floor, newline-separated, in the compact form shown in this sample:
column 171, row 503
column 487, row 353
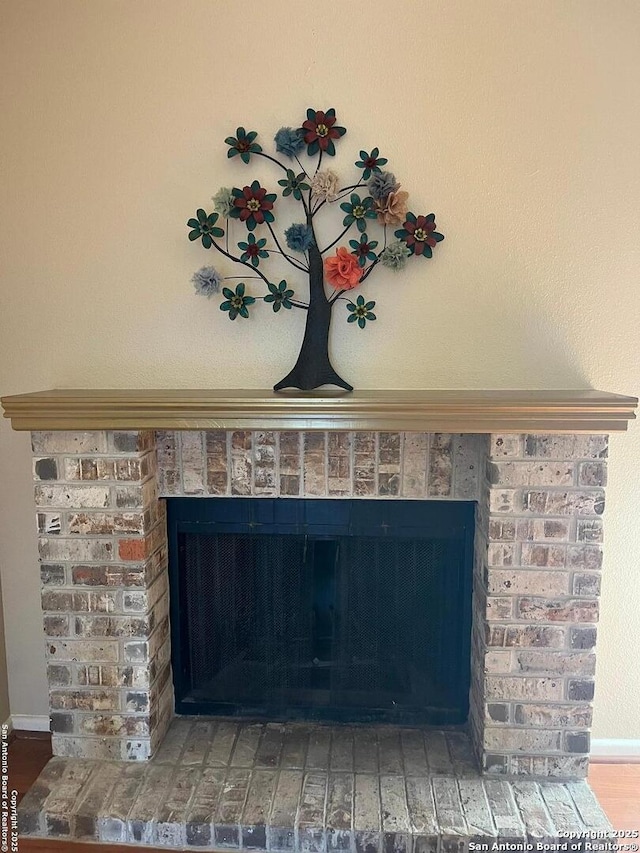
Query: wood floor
column 617, row 786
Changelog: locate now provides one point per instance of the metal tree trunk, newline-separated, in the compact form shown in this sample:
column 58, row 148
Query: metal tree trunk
column 313, row 367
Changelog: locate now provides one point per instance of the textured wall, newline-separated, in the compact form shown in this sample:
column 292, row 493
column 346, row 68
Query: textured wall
column 4, row 680
column 516, row 124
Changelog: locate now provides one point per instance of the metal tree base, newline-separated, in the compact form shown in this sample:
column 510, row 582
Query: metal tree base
column 307, row 378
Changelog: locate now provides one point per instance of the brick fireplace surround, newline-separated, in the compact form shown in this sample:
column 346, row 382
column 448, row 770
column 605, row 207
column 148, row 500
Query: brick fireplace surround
column 534, row 462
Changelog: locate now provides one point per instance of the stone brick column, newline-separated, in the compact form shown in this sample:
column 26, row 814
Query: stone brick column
column 103, row 554
column 537, row 583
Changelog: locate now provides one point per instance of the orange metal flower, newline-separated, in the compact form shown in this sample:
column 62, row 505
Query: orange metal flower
column 343, row 271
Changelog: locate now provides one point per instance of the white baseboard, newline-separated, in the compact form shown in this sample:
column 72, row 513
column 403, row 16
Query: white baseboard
column 30, row 723
column 615, row 749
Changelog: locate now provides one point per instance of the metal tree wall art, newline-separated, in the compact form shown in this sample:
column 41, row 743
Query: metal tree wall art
column 374, row 202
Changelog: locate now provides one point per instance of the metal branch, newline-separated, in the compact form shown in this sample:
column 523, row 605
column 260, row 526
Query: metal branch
column 301, row 166
column 294, row 303
column 284, row 254
column 337, row 296
column 273, row 159
column 345, row 192
column 261, row 275
column 240, row 261
column 277, row 252
column 339, row 237
column 370, row 269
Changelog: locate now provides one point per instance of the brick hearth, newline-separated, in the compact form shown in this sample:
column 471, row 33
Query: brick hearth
column 536, row 570
column 221, row 784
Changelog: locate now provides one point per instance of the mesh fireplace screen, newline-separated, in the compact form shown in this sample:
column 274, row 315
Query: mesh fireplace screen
column 355, row 612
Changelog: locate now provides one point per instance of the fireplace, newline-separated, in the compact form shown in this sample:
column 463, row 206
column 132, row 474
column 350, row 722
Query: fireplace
column 342, row 610
column 534, row 462
column 525, row 471
column 537, row 555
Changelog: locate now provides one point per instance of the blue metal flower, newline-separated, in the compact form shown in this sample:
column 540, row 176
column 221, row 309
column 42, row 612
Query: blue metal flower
column 358, row 210
column 381, row 184
column 236, row 303
column 363, row 249
column 253, row 250
column 279, row 296
column 289, row 141
column 204, row 228
column 299, row 237
column 206, row 281
column 370, row 163
column 361, row 311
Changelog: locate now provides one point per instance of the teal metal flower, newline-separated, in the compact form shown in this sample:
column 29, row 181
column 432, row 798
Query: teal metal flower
column 360, row 312
column 370, row 163
column 279, row 295
column 236, row 303
column 294, row 184
column 243, row 144
column 358, row 210
column 253, row 250
column 363, row 249
column 204, row 228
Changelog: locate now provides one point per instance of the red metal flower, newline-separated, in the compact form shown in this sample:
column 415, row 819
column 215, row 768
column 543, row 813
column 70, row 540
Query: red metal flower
column 320, row 130
column 253, row 205
column 420, row 235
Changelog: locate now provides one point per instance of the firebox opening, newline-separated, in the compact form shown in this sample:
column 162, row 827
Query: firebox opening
column 343, row 610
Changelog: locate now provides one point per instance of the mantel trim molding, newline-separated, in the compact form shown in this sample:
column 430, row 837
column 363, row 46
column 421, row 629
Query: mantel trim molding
column 451, row 411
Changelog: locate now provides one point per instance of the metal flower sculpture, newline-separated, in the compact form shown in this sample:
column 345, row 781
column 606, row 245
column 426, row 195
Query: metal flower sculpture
column 375, row 201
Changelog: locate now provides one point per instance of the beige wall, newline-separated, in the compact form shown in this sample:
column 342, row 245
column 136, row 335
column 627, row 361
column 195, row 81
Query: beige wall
column 4, row 679
column 517, row 122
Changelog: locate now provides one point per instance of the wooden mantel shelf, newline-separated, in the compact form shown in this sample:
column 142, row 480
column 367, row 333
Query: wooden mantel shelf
column 428, row 411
